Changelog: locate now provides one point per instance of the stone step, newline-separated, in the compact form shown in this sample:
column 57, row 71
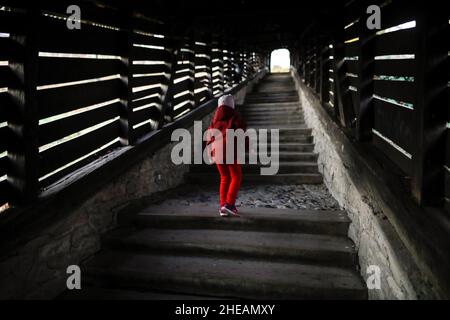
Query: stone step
column 270, row 109
column 291, row 147
column 271, row 100
column 251, row 179
column 98, row 293
column 324, row 222
column 284, row 167
column 275, row 122
column 273, row 246
column 293, row 156
column 272, row 94
column 248, row 279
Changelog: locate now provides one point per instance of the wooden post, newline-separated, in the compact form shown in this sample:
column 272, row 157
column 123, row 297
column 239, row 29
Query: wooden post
column 23, row 152
column 430, row 111
column 126, row 110
column 365, row 116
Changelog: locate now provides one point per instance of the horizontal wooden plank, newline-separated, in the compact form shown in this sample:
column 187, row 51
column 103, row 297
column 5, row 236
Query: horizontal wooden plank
column 150, row 40
column 182, row 109
column 186, row 97
column 399, row 90
column 5, row 135
column 6, row 106
column 396, row 13
column 8, row 78
column 5, row 192
column 106, row 15
column 145, row 93
column 56, row 37
column 145, row 114
column 62, row 128
column 67, row 152
column 67, row 171
column 398, row 158
column 145, row 81
column 60, row 100
column 393, row 43
column 60, row 70
column 11, row 50
column 157, row 68
column 352, row 66
column 4, row 163
column 352, row 49
column 142, row 102
column 141, row 131
column 12, row 22
column 395, row 123
column 145, row 54
column 404, row 67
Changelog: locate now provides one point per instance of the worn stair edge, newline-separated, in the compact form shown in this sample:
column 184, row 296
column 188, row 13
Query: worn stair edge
column 278, row 179
column 224, row 277
column 290, row 247
column 252, row 219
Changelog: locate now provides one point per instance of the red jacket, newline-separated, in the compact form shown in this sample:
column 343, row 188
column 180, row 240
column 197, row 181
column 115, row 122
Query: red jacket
column 225, row 118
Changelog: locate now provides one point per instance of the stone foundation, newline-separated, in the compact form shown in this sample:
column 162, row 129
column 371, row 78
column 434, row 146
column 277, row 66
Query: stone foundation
column 376, row 240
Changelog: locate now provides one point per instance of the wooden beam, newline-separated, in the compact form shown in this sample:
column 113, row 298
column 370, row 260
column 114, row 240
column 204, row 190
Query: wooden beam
column 23, row 150
column 430, row 112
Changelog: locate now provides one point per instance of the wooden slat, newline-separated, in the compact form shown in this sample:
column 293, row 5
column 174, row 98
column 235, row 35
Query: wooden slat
column 8, row 78
column 352, row 49
column 4, row 137
column 12, row 22
column 352, row 66
column 141, row 131
column 394, row 67
column 56, row 37
column 145, row 114
column 139, row 103
column 4, row 162
column 5, row 106
column 4, row 192
column 59, row 129
column 11, row 50
column 395, row 123
column 149, row 40
column 398, row 90
column 393, row 154
column 183, row 98
column 399, row 42
column 59, row 70
column 182, row 109
column 60, row 100
column 68, row 171
column 144, row 93
column 144, row 81
column 150, row 54
column 149, row 68
column 63, row 154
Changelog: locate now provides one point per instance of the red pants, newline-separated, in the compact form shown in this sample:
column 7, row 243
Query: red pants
column 230, row 182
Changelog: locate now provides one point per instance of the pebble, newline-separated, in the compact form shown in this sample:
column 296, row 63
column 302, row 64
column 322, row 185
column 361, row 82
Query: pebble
column 302, row 197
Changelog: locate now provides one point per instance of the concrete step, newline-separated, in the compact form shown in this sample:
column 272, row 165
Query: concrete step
column 251, row 179
column 224, row 277
column 275, row 122
column 271, row 100
column 324, row 222
column 273, row 246
column 303, row 138
column 284, row 167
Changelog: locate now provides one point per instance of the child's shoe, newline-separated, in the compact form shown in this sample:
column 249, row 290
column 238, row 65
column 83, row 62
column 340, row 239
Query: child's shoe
column 223, row 212
column 231, row 209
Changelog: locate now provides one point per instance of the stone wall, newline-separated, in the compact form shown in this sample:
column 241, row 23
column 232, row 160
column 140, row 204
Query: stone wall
column 375, row 238
column 37, row 270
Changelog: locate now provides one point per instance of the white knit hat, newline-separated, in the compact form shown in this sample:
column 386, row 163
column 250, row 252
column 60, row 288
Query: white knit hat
column 226, row 100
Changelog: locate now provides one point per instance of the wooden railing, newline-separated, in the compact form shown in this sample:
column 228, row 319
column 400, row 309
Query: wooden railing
column 68, row 97
column 388, row 87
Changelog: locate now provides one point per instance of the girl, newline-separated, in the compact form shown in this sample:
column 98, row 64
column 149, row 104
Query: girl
column 230, row 174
